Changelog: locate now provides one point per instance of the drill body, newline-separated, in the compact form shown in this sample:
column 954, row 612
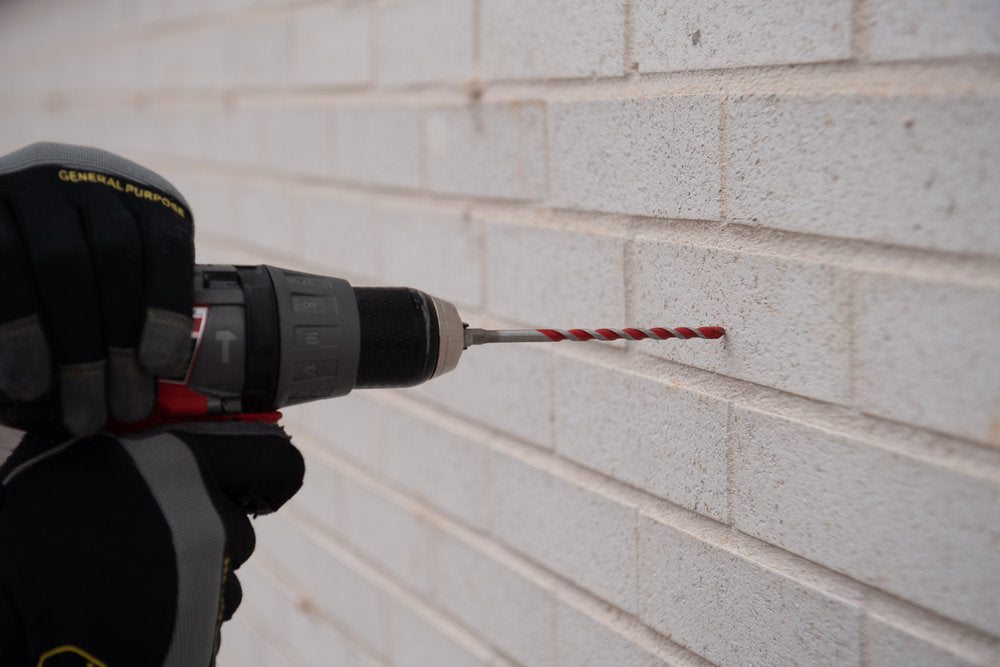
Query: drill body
column 265, row 338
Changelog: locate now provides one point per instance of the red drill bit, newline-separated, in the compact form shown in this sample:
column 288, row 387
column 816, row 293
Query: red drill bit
column 481, row 336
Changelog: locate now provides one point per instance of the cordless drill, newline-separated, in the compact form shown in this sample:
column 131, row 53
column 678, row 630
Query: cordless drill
column 265, row 338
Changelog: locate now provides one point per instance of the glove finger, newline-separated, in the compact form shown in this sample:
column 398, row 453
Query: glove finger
column 24, row 354
column 169, row 288
column 232, row 596
column 256, row 465
column 64, row 277
column 116, row 245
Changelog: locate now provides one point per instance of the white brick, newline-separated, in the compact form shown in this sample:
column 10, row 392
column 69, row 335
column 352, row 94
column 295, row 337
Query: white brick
column 732, row 610
column 490, row 150
column 784, row 317
column 905, row 372
column 351, row 426
column 706, row 34
column 340, row 235
column 418, row 641
column 379, row 145
column 665, row 439
column 330, row 45
column 560, row 38
column 394, row 537
column 329, row 582
column 556, row 278
column 260, row 218
column 421, row 41
column 911, row 170
column 503, row 605
column 434, row 251
column 568, row 527
column 507, row 387
column 443, row 468
column 837, row 500
column 656, row 157
column 297, row 140
column 586, row 640
column 888, row 645
column 934, row 28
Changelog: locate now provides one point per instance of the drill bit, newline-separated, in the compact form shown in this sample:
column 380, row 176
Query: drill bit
column 483, row 336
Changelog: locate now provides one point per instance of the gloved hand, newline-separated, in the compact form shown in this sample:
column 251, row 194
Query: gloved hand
column 96, row 259
column 121, row 551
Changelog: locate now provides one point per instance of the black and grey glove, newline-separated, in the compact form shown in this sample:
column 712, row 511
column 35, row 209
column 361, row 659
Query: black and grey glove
column 96, row 259
column 122, row 551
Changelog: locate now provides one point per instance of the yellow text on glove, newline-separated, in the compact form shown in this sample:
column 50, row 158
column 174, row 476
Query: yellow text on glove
column 72, row 176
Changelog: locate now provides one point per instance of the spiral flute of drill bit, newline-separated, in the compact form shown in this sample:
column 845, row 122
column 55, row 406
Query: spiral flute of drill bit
column 481, row 336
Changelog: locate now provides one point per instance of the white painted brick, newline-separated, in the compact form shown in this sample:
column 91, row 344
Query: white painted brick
column 587, row 640
column 557, row 278
column 911, row 170
column 490, row 150
column 391, row 535
column 656, row 157
column 329, row 45
column 665, row 439
column 261, row 218
column 507, row 387
column 442, row 468
column 906, row 373
column 888, row 645
column 933, row 28
column 838, row 501
column 705, row 34
column 327, row 581
column 732, row 610
column 351, row 426
column 435, row 251
column 294, row 630
column 340, row 235
column 297, row 140
column 567, row 526
column 504, row 605
column 379, row 145
column 256, row 53
column 784, row 317
column 419, row 641
column 560, row 38
column 421, row 41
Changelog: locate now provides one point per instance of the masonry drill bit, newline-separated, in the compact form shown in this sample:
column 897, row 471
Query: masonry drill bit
column 482, row 336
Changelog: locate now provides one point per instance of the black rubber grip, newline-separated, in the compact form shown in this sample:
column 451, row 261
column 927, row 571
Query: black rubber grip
column 399, row 337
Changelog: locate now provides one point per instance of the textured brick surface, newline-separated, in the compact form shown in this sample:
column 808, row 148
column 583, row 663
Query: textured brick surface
column 330, row 45
column 897, row 169
column 665, row 439
column 423, row 41
column 657, row 157
column 706, row 34
column 936, row 529
column 567, row 526
column 379, row 146
column 903, row 375
column 560, row 38
column 934, row 28
column 506, row 606
column 554, row 277
column 784, row 317
column 487, row 150
column 732, row 610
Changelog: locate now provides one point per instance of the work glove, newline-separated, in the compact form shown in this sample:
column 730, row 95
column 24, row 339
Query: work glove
column 122, row 550
column 96, row 259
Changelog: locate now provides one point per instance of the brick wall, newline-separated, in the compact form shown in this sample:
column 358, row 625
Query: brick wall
column 822, row 178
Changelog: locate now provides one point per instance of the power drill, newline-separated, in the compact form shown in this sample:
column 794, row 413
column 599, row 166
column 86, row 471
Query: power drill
column 265, row 338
